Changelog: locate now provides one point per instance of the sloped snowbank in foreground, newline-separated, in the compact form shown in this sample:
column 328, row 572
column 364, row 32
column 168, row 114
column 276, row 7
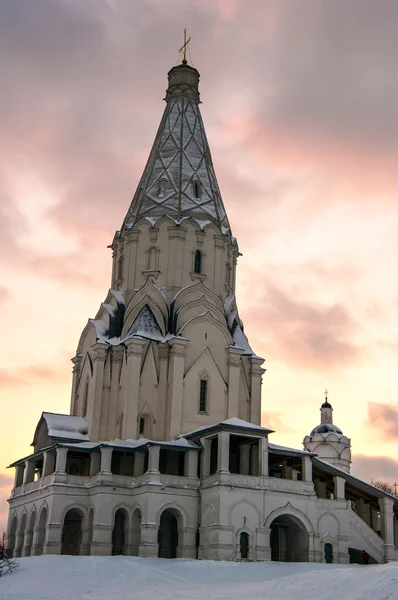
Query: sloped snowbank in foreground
column 129, row 578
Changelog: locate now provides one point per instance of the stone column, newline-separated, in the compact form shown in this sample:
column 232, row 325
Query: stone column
column 139, row 460
column 48, row 463
column 131, row 394
column 339, row 488
column 244, row 459
column 29, row 472
column 263, row 467
column 19, row 473
column 306, row 464
column 95, row 391
column 234, row 363
column 60, row 464
column 95, row 462
column 205, row 458
column 386, row 505
column 176, row 388
column 191, row 464
column 105, row 473
column 153, row 460
column 223, row 452
column 256, row 372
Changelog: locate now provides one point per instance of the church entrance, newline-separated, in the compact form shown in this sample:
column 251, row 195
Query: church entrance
column 72, row 532
column 169, row 533
column 289, row 539
column 244, row 545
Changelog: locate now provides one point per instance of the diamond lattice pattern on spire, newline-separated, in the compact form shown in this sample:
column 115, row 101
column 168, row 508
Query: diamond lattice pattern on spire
column 179, row 178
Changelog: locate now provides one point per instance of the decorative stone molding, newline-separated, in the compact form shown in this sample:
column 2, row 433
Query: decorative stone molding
column 177, row 232
column 200, row 236
column 220, row 242
column 153, row 234
column 134, row 346
column 132, row 236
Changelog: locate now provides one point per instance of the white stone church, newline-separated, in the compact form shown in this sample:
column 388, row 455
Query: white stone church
column 163, row 453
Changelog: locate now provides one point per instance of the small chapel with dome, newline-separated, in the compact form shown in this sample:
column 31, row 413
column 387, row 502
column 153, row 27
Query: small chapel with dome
column 164, row 453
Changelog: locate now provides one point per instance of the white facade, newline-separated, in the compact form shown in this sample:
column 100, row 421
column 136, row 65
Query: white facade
column 163, row 453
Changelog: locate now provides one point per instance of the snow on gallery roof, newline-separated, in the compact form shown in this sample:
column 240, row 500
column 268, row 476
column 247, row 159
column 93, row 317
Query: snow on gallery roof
column 179, row 179
column 233, row 423
column 63, row 427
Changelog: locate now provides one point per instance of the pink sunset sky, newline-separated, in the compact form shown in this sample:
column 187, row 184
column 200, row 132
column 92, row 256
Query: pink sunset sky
column 300, row 106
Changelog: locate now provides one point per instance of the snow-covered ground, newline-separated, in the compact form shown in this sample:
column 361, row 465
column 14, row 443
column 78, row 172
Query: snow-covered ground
column 128, row 578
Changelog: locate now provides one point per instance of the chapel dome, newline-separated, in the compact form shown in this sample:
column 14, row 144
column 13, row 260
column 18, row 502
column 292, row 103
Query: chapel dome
column 326, row 428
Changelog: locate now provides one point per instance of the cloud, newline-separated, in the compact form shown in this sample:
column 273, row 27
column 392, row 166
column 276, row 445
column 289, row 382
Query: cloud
column 303, row 333
column 29, row 375
column 383, row 417
column 374, row 468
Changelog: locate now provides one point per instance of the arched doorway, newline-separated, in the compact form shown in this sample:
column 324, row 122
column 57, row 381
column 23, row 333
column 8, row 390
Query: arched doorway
column 42, row 531
column 169, row 533
column 11, row 536
column 136, row 532
column 72, row 532
column 29, row 534
column 289, row 539
column 119, row 532
column 328, row 551
column 244, row 545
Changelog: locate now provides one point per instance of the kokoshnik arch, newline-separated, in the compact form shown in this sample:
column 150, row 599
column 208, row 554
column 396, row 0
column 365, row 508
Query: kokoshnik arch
column 163, row 453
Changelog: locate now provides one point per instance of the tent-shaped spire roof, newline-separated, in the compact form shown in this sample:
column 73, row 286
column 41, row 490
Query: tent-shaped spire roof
column 179, row 179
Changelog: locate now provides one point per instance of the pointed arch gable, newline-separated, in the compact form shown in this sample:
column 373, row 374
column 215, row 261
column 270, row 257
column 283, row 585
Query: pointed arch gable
column 213, row 365
column 157, row 314
column 242, row 504
column 199, row 305
column 203, row 318
column 192, row 292
column 88, row 337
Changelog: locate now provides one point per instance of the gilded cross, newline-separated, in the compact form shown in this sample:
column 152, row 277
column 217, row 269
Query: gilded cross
column 326, row 395
column 184, row 47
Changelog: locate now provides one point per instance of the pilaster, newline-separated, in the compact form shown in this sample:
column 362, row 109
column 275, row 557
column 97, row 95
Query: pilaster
column 219, row 264
column 132, row 238
column 161, row 420
column 234, row 365
column 256, row 373
column 177, row 235
column 131, row 394
column 176, row 387
column 98, row 355
column 77, row 362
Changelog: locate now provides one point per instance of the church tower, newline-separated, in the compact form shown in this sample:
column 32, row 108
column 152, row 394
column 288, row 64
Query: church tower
column 166, row 352
column 328, row 441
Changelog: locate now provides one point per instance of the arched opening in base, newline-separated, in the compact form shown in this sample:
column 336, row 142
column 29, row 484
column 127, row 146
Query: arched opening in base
column 168, row 534
column 244, row 545
column 42, row 532
column 72, row 532
column 119, row 532
column 289, row 539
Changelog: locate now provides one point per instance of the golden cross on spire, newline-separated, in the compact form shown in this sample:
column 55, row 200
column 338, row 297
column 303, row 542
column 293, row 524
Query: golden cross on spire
column 184, row 48
column 326, row 395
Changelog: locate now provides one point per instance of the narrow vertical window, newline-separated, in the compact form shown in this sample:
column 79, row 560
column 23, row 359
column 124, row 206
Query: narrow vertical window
column 198, row 262
column 196, row 189
column 142, row 426
column 203, row 395
column 120, row 268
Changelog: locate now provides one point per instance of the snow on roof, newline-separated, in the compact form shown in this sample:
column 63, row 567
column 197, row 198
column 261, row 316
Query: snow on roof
column 145, row 326
column 66, row 426
column 241, row 341
column 278, row 448
column 135, row 444
column 118, row 296
column 232, row 422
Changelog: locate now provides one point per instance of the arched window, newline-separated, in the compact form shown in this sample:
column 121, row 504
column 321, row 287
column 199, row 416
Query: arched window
column 142, row 426
column 162, row 188
column 197, row 267
column 196, row 189
column 203, row 395
column 152, row 258
column 85, row 400
column 145, row 426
